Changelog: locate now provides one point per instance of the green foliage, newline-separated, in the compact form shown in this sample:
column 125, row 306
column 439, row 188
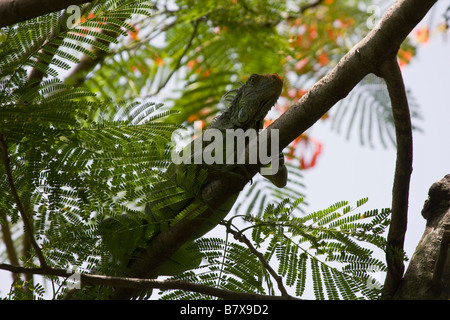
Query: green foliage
column 367, row 109
column 82, row 153
column 74, row 158
column 330, row 248
column 23, row 290
column 33, row 42
column 261, row 192
column 324, row 238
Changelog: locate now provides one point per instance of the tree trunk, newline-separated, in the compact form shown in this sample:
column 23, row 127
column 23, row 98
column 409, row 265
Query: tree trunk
column 428, row 274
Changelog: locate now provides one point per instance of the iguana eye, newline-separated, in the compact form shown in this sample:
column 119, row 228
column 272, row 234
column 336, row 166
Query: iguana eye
column 242, row 116
column 251, row 79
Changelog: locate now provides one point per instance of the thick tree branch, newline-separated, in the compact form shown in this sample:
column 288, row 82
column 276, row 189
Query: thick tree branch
column 26, row 221
column 390, row 71
column 14, row 11
column 136, row 283
column 428, row 273
column 441, row 261
column 380, row 44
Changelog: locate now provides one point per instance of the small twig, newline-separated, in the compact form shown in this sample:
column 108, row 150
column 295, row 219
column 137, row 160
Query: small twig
column 390, row 71
column 137, row 283
column 136, row 44
column 242, row 238
column 177, row 65
column 307, row 6
column 303, row 8
column 26, row 221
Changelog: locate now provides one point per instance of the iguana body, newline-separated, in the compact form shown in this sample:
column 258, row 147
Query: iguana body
column 248, row 107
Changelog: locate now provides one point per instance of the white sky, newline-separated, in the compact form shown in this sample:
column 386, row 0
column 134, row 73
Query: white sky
column 347, row 171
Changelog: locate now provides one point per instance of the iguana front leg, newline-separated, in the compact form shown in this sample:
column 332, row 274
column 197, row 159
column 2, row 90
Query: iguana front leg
column 278, row 179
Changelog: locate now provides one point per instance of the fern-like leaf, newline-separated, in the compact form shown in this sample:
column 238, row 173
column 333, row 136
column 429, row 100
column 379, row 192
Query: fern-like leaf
column 367, row 109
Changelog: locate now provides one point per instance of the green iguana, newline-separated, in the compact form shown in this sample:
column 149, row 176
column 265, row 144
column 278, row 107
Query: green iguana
column 123, row 235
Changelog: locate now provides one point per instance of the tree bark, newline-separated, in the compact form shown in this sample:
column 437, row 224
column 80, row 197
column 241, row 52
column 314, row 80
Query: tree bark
column 14, row 11
column 428, row 273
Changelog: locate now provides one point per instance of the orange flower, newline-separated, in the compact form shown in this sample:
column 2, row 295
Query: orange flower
column 404, row 57
column 267, row 122
column 305, row 145
column 292, row 93
column 301, row 93
column 442, row 27
column 192, row 63
column 300, row 64
column 206, row 74
column 297, row 41
column 134, row 34
column 423, row 35
column 297, row 22
column 192, row 118
column 159, row 61
column 345, row 22
column 331, row 34
column 83, row 18
column 323, row 59
column 206, row 111
column 317, row 150
column 295, row 94
column 313, row 32
column 282, row 108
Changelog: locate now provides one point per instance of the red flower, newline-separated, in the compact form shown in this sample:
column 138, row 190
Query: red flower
column 308, row 148
column 134, row 34
column 323, row 59
column 423, row 35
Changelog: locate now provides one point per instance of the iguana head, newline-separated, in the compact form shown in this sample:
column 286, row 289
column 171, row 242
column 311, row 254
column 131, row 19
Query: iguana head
column 253, row 100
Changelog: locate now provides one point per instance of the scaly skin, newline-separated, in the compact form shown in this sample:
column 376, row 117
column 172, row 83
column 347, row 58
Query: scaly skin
column 251, row 103
column 248, row 107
